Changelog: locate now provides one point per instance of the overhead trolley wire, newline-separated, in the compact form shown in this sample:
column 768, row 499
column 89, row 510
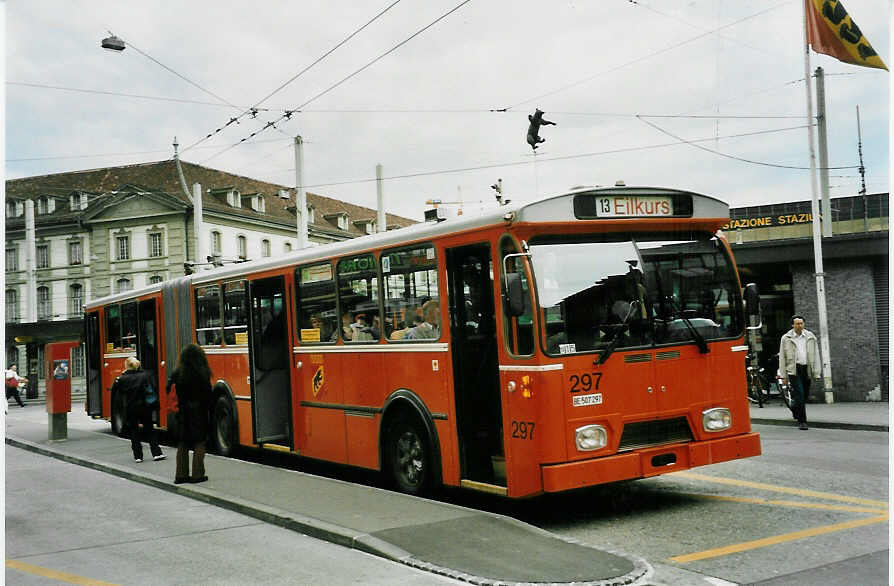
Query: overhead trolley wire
column 255, row 109
column 289, row 113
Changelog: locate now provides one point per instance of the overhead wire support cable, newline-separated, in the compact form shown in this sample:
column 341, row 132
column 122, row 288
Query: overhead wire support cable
column 254, row 110
column 735, row 158
column 647, row 56
column 343, row 80
column 563, row 158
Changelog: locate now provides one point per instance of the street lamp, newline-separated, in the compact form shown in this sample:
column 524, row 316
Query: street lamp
column 113, row 43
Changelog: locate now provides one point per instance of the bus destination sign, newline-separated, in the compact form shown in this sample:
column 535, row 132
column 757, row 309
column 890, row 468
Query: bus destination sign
column 592, row 206
column 638, row 206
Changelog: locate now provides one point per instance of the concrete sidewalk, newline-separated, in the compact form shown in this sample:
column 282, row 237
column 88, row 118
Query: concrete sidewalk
column 466, row 544
column 858, row 416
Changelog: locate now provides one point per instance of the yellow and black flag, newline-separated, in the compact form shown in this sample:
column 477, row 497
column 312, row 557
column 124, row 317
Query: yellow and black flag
column 831, row 30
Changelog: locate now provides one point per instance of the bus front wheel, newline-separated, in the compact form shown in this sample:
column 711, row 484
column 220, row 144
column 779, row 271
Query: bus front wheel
column 223, row 426
column 409, row 457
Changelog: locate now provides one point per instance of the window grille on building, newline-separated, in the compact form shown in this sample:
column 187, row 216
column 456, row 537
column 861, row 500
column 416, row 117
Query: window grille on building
column 75, row 254
column 12, row 305
column 44, row 308
column 122, row 247
column 43, row 256
column 75, row 301
column 12, row 259
column 77, row 361
column 155, row 245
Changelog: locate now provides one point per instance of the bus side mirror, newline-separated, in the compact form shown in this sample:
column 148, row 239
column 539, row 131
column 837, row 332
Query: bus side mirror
column 753, row 305
column 513, row 295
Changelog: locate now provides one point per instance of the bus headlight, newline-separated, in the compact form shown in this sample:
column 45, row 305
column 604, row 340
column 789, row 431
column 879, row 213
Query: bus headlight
column 590, row 437
column 716, row 419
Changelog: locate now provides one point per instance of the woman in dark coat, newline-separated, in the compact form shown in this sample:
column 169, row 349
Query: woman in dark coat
column 192, row 381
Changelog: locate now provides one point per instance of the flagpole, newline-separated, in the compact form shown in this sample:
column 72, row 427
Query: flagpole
column 817, row 237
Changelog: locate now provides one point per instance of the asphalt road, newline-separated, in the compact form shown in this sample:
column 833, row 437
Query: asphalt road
column 812, row 510
column 70, row 524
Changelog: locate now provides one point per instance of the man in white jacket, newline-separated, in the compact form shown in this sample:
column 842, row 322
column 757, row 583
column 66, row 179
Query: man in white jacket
column 799, row 363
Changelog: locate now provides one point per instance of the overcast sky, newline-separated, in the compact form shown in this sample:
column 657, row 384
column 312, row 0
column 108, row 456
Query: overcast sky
column 616, row 76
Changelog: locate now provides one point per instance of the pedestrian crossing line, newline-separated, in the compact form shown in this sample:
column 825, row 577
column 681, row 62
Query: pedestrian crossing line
column 794, row 504
column 777, row 539
column 786, row 489
column 55, row 574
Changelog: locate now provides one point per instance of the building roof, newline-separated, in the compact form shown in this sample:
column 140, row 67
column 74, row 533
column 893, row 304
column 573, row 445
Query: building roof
column 163, row 176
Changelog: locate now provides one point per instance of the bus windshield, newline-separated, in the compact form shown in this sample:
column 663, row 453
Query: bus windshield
column 622, row 291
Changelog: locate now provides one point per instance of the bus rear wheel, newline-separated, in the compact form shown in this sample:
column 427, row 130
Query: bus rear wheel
column 409, row 457
column 223, row 426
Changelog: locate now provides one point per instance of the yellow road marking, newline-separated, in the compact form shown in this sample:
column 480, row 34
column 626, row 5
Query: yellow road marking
column 55, row 574
column 785, row 489
column 796, row 504
column 757, row 543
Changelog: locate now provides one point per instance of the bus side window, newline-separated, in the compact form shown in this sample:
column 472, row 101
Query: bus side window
column 113, row 328
column 129, row 326
column 410, row 277
column 358, row 293
column 235, row 314
column 518, row 331
column 208, row 323
column 317, row 316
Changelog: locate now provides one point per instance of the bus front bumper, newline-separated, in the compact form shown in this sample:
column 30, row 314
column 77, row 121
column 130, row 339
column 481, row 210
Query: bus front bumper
column 649, row 462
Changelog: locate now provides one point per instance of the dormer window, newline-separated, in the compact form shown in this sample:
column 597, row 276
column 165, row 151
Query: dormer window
column 340, row 219
column 10, row 209
column 368, row 226
column 74, row 202
column 310, row 214
column 42, row 205
column 255, row 201
column 234, row 198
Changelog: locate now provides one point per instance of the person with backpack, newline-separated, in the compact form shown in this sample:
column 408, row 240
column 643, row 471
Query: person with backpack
column 12, row 385
column 140, row 397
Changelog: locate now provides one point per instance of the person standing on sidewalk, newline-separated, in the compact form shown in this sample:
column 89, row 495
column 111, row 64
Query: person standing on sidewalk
column 192, row 383
column 139, row 398
column 799, row 362
column 13, row 380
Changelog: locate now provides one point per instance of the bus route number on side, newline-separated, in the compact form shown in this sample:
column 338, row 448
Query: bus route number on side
column 584, row 383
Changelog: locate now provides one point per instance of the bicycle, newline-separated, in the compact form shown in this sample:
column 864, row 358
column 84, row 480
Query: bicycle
column 758, row 386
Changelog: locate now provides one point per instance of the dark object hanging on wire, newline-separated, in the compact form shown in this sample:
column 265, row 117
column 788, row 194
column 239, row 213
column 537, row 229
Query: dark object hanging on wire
column 113, row 43
column 537, row 121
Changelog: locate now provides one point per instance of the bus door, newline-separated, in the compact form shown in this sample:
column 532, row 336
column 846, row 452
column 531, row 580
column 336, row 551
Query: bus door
column 147, row 346
column 93, row 359
column 269, row 349
column 473, row 341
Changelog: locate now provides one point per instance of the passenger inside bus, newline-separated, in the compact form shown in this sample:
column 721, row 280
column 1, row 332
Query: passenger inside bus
column 430, row 328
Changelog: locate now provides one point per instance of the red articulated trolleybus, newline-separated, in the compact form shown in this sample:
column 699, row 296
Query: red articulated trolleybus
column 585, row 338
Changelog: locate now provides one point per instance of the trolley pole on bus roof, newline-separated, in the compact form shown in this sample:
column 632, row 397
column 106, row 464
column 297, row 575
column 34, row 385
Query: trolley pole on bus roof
column 300, row 194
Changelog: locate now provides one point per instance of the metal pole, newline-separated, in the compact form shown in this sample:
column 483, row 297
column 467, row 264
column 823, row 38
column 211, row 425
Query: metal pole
column 198, row 224
column 862, row 172
column 817, row 239
column 30, row 264
column 300, row 194
column 823, row 150
column 381, row 225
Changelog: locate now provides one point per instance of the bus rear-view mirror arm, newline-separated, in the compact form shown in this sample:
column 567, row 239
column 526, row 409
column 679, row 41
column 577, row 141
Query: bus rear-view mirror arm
column 513, row 294
column 753, row 305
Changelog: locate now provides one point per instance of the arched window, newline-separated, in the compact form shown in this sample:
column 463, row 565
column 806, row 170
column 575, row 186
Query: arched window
column 12, row 305
column 265, row 248
column 242, row 247
column 44, row 309
column 75, row 300
column 123, row 284
column 215, row 242
column 288, row 247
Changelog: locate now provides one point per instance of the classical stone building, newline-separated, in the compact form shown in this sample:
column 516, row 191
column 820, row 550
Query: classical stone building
column 773, row 245
column 71, row 237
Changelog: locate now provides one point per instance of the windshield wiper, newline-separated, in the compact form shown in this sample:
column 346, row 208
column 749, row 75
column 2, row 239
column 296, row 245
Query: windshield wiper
column 699, row 339
column 616, row 337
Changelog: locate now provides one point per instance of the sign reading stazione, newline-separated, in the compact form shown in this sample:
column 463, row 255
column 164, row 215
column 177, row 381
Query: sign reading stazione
column 768, row 221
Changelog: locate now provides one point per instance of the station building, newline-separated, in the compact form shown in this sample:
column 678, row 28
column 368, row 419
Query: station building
column 773, row 246
column 72, row 237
